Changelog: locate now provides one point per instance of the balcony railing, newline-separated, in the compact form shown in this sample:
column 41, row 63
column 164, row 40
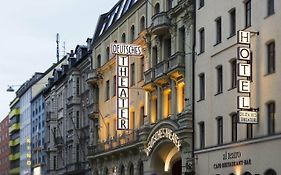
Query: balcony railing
column 176, row 60
column 115, row 142
column 161, row 68
column 160, row 23
column 94, row 76
column 149, row 76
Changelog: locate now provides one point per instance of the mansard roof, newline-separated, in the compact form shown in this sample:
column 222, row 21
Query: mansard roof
column 106, row 20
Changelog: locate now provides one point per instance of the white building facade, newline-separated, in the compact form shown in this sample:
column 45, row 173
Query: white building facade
column 222, row 144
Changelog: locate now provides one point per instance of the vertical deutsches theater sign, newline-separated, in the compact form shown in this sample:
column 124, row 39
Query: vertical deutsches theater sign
column 123, row 51
column 246, row 114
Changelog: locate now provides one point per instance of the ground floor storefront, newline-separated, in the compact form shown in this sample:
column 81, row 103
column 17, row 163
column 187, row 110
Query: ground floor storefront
column 261, row 156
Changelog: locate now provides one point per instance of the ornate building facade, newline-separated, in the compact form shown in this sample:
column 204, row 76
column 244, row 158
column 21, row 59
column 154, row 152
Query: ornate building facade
column 67, row 104
column 159, row 139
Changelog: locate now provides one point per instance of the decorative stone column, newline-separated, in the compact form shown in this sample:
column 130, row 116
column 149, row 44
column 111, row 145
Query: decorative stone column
column 159, row 103
column 174, row 94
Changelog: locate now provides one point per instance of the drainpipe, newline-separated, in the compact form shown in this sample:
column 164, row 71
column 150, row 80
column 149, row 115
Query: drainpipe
column 193, row 79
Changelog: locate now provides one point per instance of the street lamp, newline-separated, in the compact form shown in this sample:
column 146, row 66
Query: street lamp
column 10, row 88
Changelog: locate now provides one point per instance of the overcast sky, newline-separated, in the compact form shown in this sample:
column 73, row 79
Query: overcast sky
column 28, row 36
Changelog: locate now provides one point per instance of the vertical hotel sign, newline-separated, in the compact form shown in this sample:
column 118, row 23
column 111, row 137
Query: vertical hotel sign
column 246, row 114
column 123, row 51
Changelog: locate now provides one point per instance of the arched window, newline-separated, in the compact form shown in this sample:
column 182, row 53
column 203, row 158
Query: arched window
column 132, row 33
column 107, row 53
column 156, row 8
column 270, row 172
column 141, row 168
column 142, row 23
column 131, row 169
column 122, row 170
column 123, row 38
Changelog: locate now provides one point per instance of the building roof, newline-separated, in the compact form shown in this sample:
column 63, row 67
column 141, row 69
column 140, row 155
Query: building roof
column 108, row 19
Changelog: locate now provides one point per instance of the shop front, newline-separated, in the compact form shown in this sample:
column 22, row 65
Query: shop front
column 260, row 156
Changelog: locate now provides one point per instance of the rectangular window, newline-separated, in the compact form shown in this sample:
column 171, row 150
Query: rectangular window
column 108, row 130
column 233, row 73
column 107, row 90
column 202, row 86
column 142, row 116
column 249, row 131
column 154, row 55
column 270, row 7
column 218, row 30
column 271, row 118
column 77, row 153
column 232, row 15
column 132, row 74
column 202, row 40
column 132, row 120
column 55, row 162
column 77, row 120
column 142, row 68
column 271, row 57
column 219, row 80
column 77, row 86
column 248, row 13
column 114, row 86
column 202, row 134
column 234, row 127
column 201, row 3
column 220, row 130
column 182, row 39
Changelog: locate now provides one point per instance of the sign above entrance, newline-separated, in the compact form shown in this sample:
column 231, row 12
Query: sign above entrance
column 126, row 49
column 161, row 134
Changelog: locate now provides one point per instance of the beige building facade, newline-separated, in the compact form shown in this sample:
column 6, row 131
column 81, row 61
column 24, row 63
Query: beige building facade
column 222, row 144
column 159, row 137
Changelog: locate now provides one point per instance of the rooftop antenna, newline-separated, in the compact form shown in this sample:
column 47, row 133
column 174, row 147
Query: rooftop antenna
column 58, row 40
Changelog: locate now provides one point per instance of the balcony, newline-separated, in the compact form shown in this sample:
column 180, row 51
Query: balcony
column 14, row 156
column 149, row 77
column 14, row 142
column 93, row 112
column 14, row 170
column 73, row 100
column 14, row 112
column 160, row 23
column 84, row 133
column 59, row 141
column 176, row 65
column 50, row 116
column 160, row 73
column 114, row 143
column 94, row 76
column 14, row 127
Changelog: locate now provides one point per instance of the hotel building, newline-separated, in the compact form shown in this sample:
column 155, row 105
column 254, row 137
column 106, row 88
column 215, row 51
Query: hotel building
column 225, row 144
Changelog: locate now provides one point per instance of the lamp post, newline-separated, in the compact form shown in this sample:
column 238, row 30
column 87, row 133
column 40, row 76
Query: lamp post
column 11, row 89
